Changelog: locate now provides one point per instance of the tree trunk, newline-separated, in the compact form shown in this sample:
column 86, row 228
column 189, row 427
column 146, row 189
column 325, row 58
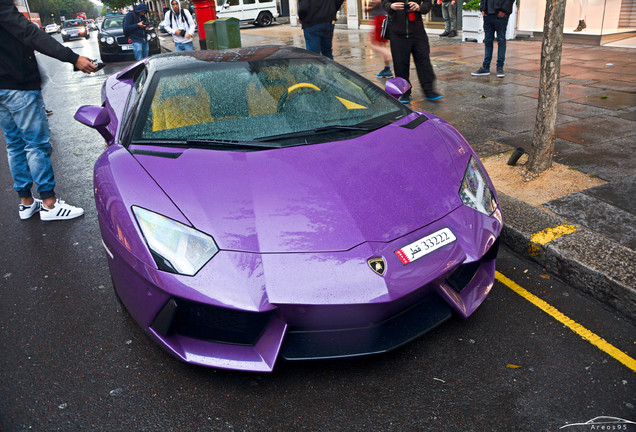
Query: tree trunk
column 544, row 130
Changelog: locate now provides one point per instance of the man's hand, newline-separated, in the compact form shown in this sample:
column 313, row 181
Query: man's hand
column 415, row 7
column 141, row 24
column 188, row 36
column 85, row 65
column 501, row 14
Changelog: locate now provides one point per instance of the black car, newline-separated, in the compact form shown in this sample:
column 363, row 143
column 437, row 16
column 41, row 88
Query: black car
column 114, row 46
column 75, row 28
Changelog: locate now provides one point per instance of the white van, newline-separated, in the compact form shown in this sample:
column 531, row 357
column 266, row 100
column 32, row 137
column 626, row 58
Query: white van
column 257, row 12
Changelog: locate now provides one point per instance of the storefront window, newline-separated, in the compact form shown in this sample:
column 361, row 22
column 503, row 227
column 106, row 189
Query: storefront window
column 584, row 17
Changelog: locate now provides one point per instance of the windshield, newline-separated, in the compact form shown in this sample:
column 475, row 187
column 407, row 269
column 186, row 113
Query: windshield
column 73, row 23
column 113, row 23
column 268, row 100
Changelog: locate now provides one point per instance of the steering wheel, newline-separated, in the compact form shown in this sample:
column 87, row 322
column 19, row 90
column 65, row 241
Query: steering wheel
column 291, row 89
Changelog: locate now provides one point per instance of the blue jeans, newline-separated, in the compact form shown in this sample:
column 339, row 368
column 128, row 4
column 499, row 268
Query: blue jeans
column 494, row 24
column 186, row 46
column 319, row 38
column 140, row 49
column 26, row 130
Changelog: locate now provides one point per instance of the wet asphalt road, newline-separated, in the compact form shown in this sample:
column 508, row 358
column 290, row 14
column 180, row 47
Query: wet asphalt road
column 72, row 359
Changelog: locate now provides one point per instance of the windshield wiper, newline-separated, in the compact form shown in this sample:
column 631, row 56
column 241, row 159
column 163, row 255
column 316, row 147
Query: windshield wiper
column 365, row 127
column 209, row 143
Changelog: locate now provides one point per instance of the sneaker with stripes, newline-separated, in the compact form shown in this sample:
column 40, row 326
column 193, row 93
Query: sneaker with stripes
column 60, row 211
column 28, row 211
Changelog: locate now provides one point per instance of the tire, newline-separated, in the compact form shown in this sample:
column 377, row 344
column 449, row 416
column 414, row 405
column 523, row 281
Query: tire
column 264, row 19
column 64, row 39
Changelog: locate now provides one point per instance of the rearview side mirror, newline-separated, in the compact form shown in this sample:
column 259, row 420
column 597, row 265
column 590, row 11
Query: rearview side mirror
column 95, row 117
column 396, row 87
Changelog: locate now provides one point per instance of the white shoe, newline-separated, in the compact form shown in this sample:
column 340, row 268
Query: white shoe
column 60, row 211
column 28, row 211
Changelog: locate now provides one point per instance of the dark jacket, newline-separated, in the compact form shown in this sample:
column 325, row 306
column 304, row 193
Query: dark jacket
column 18, row 38
column 500, row 5
column 399, row 23
column 131, row 29
column 312, row 12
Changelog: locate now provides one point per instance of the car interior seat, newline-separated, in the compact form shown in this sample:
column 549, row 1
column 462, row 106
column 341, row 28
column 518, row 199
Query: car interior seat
column 180, row 101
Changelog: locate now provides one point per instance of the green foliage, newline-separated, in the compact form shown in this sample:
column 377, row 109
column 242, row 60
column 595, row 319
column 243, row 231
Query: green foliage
column 51, row 10
column 471, row 5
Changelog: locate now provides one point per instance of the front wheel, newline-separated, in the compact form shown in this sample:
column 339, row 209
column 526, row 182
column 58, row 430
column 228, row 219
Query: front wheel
column 264, row 19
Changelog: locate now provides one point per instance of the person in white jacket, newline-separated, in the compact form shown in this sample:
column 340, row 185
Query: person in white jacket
column 180, row 24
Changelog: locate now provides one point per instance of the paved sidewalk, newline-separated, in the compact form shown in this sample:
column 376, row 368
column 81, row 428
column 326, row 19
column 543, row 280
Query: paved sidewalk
column 596, row 134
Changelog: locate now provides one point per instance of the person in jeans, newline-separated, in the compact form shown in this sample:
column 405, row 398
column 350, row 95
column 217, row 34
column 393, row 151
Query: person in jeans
column 408, row 36
column 318, row 19
column 135, row 25
column 450, row 18
column 496, row 14
column 22, row 114
column 179, row 23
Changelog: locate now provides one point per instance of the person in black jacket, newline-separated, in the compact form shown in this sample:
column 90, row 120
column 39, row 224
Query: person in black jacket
column 318, row 19
column 496, row 14
column 135, row 26
column 407, row 36
column 22, row 115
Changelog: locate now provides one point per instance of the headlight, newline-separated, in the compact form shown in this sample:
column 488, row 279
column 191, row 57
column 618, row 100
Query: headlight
column 110, row 40
column 175, row 247
column 150, row 36
column 475, row 191
column 63, row 32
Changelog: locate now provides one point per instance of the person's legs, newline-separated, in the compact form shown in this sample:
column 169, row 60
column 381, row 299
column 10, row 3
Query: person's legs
column 489, row 37
column 188, row 46
column 326, row 39
column 28, row 141
column 452, row 12
column 501, row 24
column 178, row 47
column 312, row 39
column 138, row 50
column 401, row 53
column 145, row 49
column 422, row 59
column 446, row 17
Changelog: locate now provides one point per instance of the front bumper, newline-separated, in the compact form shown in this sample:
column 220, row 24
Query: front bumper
column 312, row 306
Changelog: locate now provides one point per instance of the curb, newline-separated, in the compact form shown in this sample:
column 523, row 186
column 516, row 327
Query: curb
column 586, row 260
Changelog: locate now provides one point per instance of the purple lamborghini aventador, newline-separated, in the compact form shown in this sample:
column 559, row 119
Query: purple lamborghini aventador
column 264, row 203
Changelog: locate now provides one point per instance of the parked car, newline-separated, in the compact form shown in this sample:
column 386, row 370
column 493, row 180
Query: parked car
column 91, row 25
column 114, row 46
column 73, row 29
column 266, row 202
column 52, row 28
column 257, row 12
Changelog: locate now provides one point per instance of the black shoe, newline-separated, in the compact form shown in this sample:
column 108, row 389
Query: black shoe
column 581, row 26
column 444, row 34
column 452, row 33
column 432, row 95
column 48, row 112
column 500, row 73
column 481, row 71
column 405, row 99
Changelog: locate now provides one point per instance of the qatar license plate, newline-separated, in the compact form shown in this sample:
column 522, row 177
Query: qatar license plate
column 126, row 47
column 425, row 246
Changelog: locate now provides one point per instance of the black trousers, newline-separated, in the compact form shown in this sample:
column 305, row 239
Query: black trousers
column 401, row 50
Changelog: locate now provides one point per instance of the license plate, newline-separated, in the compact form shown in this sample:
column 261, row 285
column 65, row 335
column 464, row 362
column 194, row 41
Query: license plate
column 126, row 47
column 425, row 246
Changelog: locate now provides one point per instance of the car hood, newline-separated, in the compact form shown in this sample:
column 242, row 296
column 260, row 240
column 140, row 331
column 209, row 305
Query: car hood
column 115, row 32
column 322, row 197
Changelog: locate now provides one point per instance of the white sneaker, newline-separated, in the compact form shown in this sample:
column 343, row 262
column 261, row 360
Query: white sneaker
column 28, row 211
column 60, row 211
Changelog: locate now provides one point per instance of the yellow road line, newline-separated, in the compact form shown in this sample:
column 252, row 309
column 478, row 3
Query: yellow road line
column 594, row 339
column 548, row 235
